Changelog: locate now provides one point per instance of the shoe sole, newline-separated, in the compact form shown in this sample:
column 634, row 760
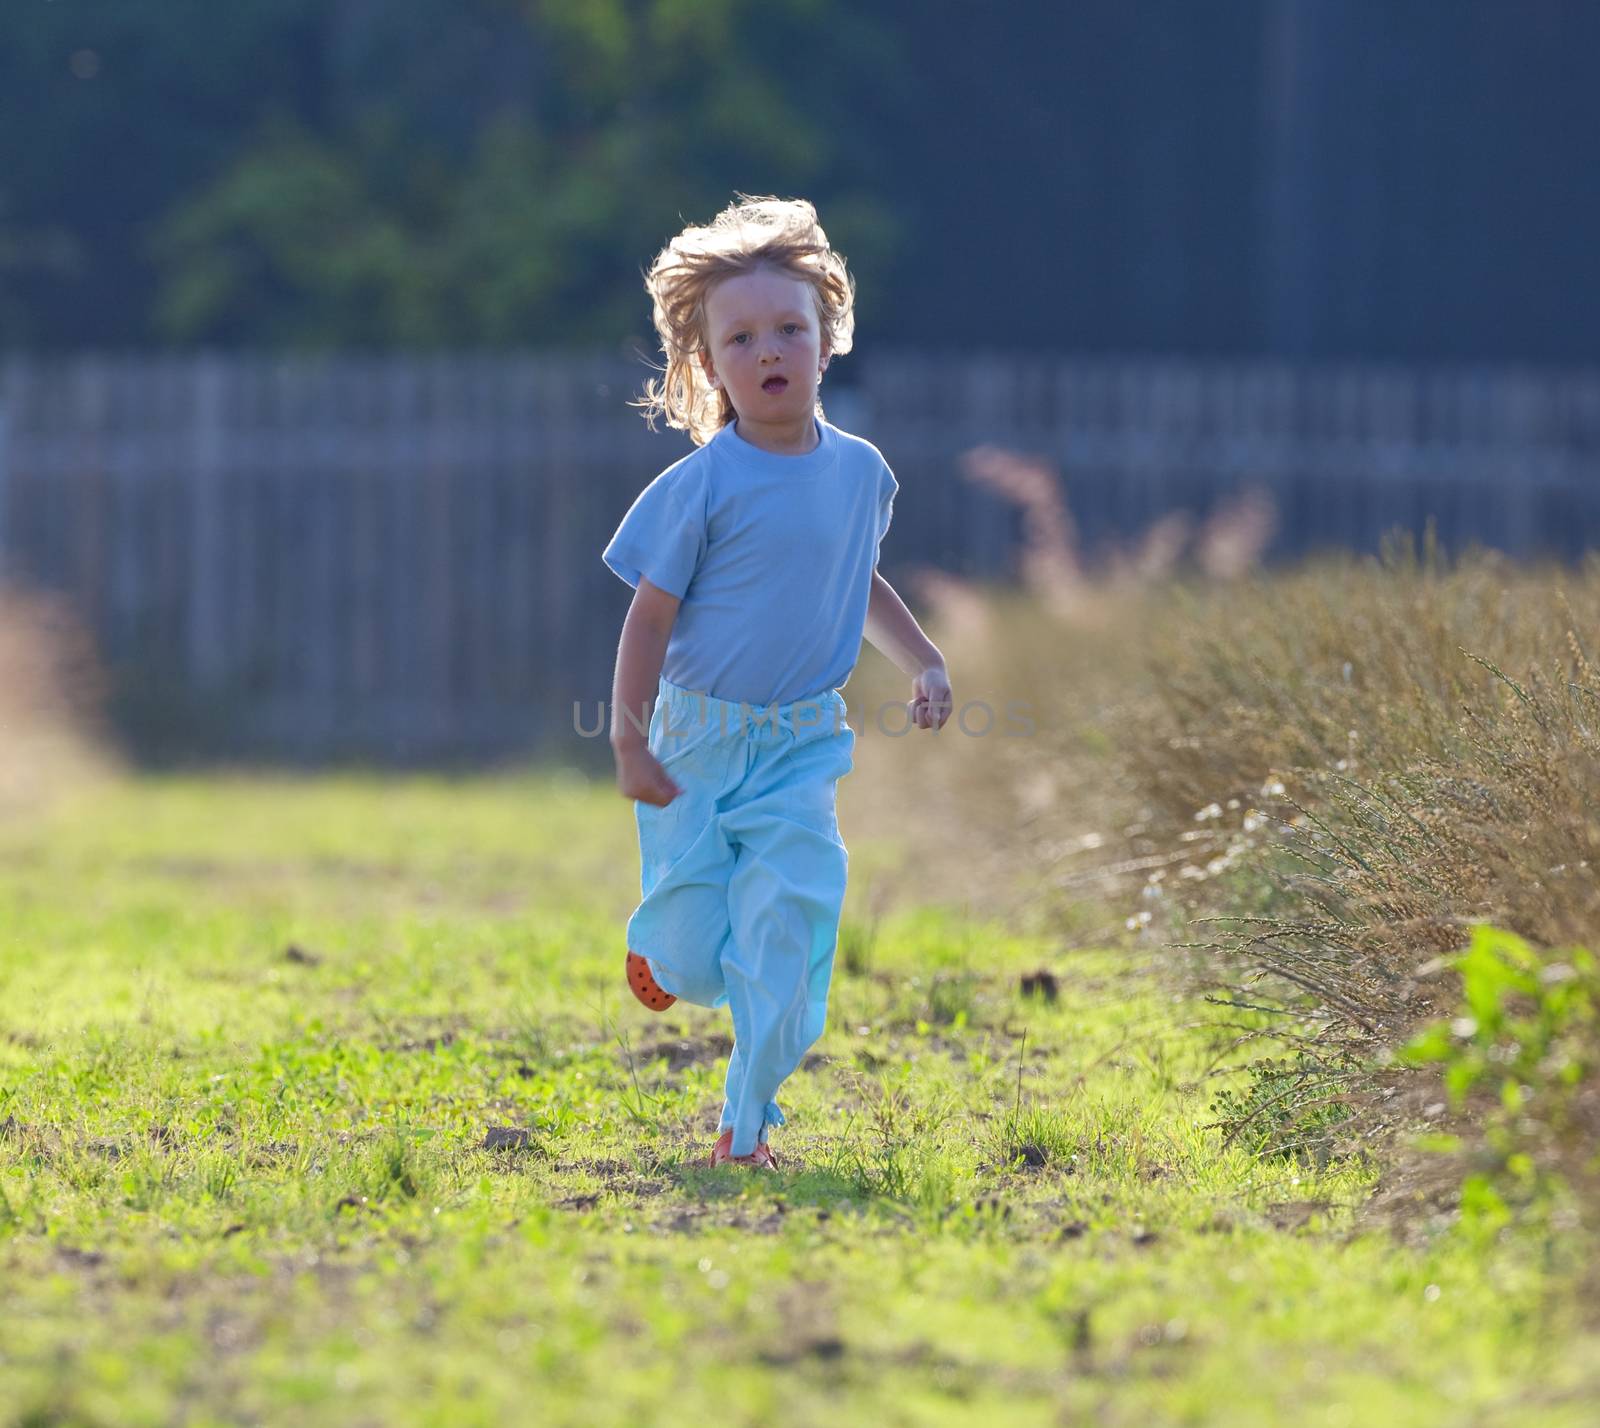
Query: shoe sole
column 718, row 1157
column 644, row 986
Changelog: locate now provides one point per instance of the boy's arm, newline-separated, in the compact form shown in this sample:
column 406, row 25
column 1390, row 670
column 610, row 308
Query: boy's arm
column 895, row 631
column 643, row 648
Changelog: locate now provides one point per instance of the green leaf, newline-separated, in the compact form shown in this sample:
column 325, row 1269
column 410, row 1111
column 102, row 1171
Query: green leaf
column 1432, row 1043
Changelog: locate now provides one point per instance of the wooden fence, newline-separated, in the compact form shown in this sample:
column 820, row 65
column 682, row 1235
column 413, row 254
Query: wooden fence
column 398, row 558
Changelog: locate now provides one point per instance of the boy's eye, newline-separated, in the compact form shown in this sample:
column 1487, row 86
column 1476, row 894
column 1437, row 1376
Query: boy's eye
column 791, row 327
column 740, row 336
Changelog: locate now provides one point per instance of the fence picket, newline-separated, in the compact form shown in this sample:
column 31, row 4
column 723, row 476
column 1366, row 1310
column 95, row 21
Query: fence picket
column 405, row 550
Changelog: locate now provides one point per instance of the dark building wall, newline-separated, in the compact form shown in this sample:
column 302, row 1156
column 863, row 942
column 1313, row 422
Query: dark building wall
column 1409, row 180
column 1319, row 179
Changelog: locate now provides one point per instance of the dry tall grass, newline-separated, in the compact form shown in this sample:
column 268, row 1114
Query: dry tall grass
column 1432, row 732
column 1385, row 751
column 52, row 701
column 1018, row 803
column 1306, row 784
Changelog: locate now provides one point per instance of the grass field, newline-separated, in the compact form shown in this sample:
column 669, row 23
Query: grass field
column 255, row 1036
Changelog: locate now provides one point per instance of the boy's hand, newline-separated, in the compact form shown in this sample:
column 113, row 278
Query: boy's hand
column 931, row 701
column 640, row 776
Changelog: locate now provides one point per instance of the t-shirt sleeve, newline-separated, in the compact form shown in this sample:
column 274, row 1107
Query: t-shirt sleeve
column 887, row 486
column 663, row 536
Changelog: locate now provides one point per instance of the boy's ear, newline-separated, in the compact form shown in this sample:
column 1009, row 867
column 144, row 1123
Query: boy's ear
column 710, row 370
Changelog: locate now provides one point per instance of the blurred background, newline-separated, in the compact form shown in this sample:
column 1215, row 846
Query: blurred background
column 318, row 320
column 1239, row 363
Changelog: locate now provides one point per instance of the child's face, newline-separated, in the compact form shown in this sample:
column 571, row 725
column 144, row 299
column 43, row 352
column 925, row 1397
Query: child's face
column 765, row 345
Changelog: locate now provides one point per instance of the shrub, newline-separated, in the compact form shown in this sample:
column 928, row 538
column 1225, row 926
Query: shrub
column 1521, row 1050
column 52, row 697
column 1343, row 767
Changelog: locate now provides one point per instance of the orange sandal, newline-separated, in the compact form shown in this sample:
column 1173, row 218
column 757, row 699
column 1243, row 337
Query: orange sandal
column 645, row 987
column 762, row 1156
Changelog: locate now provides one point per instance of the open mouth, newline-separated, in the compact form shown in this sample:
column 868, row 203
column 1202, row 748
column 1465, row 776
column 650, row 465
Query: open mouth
column 774, row 384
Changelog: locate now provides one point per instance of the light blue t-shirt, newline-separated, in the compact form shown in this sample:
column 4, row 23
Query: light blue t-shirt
column 772, row 557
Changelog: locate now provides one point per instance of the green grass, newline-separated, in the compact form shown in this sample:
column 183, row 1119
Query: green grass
column 244, row 1184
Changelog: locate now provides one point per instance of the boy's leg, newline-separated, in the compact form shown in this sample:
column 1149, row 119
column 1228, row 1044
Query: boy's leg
column 681, row 925
column 785, row 896
column 685, row 861
column 772, row 1112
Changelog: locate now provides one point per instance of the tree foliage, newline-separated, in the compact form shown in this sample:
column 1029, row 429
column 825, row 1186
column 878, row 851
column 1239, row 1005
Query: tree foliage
column 1329, row 181
column 415, row 172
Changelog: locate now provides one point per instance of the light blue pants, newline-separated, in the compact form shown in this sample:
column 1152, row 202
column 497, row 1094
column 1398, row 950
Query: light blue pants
column 743, row 878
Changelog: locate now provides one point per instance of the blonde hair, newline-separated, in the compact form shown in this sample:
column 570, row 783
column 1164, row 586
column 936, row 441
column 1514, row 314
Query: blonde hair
column 750, row 233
